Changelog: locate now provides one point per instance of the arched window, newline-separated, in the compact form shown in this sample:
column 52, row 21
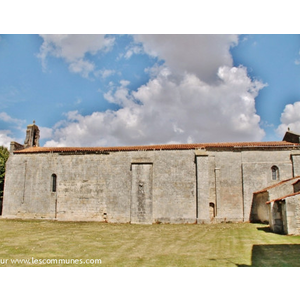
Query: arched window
column 212, row 212
column 275, row 173
column 53, row 182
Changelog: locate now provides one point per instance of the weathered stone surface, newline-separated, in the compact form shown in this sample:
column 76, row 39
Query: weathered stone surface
column 141, row 195
column 105, row 187
column 285, row 215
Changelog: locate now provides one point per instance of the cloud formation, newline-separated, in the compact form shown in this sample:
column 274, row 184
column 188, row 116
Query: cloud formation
column 290, row 118
column 5, row 138
column 164, row 111
column 6, row 118
column 73, row 48
column 201, row 55
column 195, row 96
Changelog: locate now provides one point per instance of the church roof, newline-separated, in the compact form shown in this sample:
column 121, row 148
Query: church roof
column 207, row 146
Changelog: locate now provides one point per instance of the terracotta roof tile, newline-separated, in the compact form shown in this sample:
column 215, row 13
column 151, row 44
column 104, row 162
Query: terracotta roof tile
column 281, row 144
column 276, row 184
column 281, row 198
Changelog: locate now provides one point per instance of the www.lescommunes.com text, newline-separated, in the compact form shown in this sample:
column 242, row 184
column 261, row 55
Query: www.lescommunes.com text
column 51, row 261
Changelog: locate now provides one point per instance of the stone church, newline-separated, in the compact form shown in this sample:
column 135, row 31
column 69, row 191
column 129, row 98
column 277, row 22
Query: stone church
column 185, row 183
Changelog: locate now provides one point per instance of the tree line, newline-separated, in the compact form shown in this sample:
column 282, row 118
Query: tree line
column 4, row 154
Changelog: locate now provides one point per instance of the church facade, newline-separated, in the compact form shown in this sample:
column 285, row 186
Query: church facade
column 186, row 183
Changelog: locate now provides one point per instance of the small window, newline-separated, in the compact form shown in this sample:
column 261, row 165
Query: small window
column 275, row 173
column 212, row 212
column 53, row 182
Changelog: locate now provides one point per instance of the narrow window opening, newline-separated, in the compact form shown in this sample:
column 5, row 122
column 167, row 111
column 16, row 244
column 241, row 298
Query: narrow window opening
column 211, row 210
column 275, row 173
column 53, row 182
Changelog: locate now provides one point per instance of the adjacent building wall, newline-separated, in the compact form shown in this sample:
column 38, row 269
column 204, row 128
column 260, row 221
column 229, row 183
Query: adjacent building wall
column 259, row 209
column 276, row 213
column 292, row 215
column 285, row 215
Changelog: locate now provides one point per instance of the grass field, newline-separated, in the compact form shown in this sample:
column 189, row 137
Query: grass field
column 44, row 243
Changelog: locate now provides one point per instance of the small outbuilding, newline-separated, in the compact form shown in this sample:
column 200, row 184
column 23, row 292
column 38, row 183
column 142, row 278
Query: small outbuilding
column 284, row 214
column 259, row 209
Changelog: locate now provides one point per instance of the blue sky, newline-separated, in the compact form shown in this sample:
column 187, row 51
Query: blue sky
column 98, row 90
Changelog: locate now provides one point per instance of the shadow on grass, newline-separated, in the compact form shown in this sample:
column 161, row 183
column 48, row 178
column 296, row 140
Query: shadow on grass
column 265, row 229
column 281, row 255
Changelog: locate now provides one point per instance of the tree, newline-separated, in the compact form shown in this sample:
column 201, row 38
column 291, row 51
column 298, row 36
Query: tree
column 4, row 154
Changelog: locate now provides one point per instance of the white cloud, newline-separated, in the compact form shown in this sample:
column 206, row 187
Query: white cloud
column 82, row 66
column 73, row 49
column 6, row 118
column 165, row 110
column 195, row 96
column 120, row 95
column 201, row 54
column 133, row 50
column 104, row 73
column 45, row 132
column 5, row 138
column 290, row 118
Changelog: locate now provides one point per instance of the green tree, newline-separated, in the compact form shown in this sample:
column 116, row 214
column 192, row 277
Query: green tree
column 4, row 154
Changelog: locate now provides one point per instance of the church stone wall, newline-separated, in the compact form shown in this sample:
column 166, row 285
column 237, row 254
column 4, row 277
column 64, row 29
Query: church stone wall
column 99, row 186
column 174, row 186
column 81, row 187
column 170, row 186
column 27, row 188
column 256, row 169
column 229, row 184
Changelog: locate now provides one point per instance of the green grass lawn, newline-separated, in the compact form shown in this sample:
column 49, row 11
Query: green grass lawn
column 159, row 245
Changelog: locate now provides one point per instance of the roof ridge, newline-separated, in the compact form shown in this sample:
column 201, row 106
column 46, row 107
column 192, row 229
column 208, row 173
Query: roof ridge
column 161, row 147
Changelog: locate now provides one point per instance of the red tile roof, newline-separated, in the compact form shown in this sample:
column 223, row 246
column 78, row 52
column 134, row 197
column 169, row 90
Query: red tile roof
column 239, row 145
column 277, row 184
column 281, row 198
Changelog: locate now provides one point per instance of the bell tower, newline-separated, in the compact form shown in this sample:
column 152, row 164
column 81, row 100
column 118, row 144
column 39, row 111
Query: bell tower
column 32, row 136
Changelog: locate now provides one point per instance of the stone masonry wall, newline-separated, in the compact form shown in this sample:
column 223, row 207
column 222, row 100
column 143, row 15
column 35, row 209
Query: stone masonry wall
column 27, row 187
column 99, row 186
column 179, row 185
column 256, row 168
column 229, row 206
column 292, row 225
column 259, row 209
